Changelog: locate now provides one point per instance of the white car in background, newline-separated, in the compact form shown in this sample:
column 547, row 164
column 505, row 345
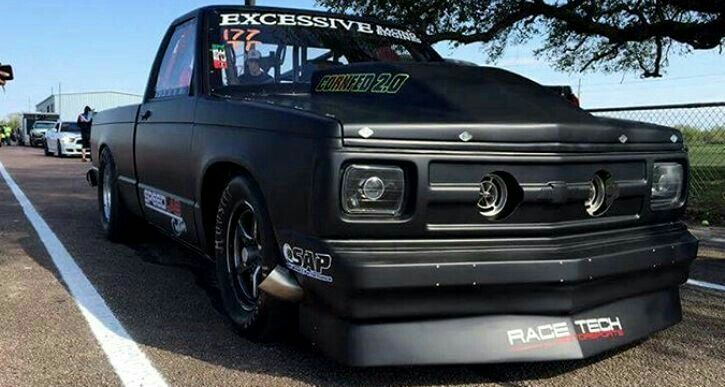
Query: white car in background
column 64, row 140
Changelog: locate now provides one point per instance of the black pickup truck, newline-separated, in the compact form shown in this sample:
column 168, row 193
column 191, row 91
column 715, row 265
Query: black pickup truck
column 397, row 208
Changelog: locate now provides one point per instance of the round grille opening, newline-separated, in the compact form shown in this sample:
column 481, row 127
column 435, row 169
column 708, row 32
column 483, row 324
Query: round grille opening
column 597, row 192
column 493, row 196
column 602, row 192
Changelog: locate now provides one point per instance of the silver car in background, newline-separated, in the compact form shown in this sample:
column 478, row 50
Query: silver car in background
column 63, row 140
column 37, row 133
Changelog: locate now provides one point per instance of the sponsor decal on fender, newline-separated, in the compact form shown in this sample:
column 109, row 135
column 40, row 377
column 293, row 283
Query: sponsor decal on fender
column 318, row 21
column 307, row 263
column 548, row 335
column 166, row 206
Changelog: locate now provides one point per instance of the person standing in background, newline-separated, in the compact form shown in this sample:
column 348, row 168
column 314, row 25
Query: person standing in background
column 85, row 121
column 6, row 132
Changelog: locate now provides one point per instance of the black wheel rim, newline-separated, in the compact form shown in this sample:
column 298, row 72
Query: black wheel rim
column 244, row 255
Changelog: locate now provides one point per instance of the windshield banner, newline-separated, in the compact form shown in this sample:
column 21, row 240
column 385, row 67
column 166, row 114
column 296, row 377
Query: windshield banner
column 298, row 20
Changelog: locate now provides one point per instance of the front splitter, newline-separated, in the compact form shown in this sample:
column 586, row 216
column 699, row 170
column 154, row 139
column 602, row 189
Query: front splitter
column 492, row 338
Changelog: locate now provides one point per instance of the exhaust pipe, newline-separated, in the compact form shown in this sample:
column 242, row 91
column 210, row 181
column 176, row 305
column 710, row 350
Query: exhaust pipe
column 92, row 177
column 281, row 284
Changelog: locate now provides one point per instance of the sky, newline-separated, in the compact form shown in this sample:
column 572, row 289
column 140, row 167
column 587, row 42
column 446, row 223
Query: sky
column 108, row 45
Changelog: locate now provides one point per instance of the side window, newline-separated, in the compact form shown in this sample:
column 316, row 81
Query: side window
column 177, row 65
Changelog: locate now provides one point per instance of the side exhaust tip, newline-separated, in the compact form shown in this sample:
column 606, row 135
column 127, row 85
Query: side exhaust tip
column 92, row 177
column 281, row 284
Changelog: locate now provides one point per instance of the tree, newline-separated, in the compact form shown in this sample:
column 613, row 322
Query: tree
column 578, row 35
column 12, row 121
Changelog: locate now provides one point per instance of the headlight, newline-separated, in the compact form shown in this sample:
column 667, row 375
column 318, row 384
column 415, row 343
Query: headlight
column 373, row 189
column 667, row 182
column 68, row 140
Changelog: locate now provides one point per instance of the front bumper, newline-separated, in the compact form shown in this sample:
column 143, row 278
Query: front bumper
column 72, row 149
column 376, row 289
column 493, row 338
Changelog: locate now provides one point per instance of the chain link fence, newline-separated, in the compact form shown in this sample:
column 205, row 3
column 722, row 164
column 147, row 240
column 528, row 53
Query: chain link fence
column 703, row 126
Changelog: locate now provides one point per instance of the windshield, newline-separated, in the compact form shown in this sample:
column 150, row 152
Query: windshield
column 43, row 125
column 70, row 127
column 270, row 51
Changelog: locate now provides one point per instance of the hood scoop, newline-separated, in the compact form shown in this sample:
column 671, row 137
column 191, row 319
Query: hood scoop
column 466, row 107
column 436, row 93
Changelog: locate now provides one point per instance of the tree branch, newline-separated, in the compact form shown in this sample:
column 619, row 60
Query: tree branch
column 707, row 6
column 699, row 35
column 624, row 34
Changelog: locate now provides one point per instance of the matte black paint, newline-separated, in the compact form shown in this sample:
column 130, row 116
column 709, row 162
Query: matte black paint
column 439, row 259
column 479, row 339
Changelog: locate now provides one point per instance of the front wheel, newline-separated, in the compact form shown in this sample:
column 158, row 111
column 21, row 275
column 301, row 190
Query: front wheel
column 246, row 252
column 45, row 149
column 59, row 153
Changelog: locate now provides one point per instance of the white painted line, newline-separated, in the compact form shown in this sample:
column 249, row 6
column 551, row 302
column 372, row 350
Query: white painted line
column 708, row 285
column 130, row 363
column 718, row 240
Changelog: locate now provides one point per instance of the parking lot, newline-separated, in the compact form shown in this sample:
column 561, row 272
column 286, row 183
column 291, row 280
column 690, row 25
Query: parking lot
column 163, row 297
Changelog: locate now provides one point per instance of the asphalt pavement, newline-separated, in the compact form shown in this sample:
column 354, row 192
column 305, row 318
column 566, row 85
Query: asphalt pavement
column 163, row 296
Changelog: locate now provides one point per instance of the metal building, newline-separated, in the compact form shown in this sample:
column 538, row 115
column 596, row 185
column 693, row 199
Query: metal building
column 69, row 105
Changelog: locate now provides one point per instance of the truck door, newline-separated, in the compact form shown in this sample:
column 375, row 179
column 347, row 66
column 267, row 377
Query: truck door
column 163, row 136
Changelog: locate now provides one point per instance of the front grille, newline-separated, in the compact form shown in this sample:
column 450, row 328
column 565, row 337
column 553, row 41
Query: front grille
column 552, row 194
column 533, row 172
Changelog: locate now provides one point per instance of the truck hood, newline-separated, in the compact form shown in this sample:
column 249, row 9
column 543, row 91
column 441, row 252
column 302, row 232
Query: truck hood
column 440, row 102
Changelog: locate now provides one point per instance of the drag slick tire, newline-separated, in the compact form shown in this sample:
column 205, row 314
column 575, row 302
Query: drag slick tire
column 115, row 217
column 245, row 253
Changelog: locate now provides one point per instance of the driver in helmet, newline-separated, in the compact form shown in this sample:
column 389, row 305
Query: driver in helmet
column 253, row 73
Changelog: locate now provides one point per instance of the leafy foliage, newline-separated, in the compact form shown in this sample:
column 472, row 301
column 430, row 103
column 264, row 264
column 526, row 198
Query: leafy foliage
column 694, row 135
column 12, row 121
column 578, row 35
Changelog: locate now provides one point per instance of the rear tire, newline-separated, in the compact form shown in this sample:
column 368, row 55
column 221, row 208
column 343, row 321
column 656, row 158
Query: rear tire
column 116, row 219
column 246, row 252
